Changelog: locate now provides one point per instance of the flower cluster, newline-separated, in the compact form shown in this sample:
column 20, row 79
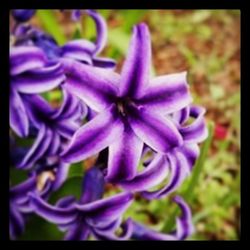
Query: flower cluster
column 120, row 120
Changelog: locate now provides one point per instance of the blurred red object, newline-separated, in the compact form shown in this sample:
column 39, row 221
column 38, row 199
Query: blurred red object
column 220, row 132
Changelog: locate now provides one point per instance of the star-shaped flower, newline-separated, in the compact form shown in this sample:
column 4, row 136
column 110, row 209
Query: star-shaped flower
column 133, row 109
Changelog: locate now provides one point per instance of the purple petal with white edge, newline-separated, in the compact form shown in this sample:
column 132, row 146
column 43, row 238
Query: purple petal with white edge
column 182, row 115
column 25, row 58
column 92, row 186
column 156, row 131
column 39, row 80
column 166, row 94
column 16, row 222
column 126, row 233
column 81, row 50
column 18, row 192
column 51, row 213
column 18, row 116
column 184, row 223
column 67, row 128
column 184, row 227
column 61, row 175
column 154, row 174
column 107, row 209
column 55, row 144
column 141, row 232
column 94, row 136
column 38, row 109
column 124, row 156
column 136, row 69
column 106, row 226
column 69, row 106
column 78, row 231
column 101, row 30
column 106, row 63
column 190, row 152
column 197, row 131
column 37, row 150
column 66, row 201
column 178, row 170
column 95, row 86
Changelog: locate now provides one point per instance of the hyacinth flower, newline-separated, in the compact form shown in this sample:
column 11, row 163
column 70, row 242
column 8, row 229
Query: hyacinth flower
column 23, row 15
column 19, row 203
column 133, row 109
column 91, row 215
column 55, row 127
column 184, row 226
column 79, row 49
column 30, row 73
column 177, row 163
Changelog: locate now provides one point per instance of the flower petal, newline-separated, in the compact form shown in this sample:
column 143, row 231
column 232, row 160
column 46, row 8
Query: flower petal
column 107, row 209
column 178, row 170
column 136, row 69
column 93, row 185
column 24, row 58
column 141, row 232
column 95, row 86
column 67, row 128
column 38, row 109
column 124, row 156
column 39, row 80
column 107, row 235
column 101, row 30
column 61, row 175
column 94, row 136
column 78, row 231
column 184, row 227
column 19, row 191
column 156, row 131
column 106, row 63
column 166, row 94
column 38, row 149
column 80, row 49
column 66, row 201
column 154, row 174
column 182, row 115
column 16, row 222
column 18, row 116
column 69, row 107
column 51, row 213
column 184, row 223
column 197, row 131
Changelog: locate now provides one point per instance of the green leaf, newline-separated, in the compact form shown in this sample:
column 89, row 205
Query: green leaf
column 50, row 24
column 72, row 186
column 76, row 170
column 39, row 229
column 119, row 39
column 197, row 170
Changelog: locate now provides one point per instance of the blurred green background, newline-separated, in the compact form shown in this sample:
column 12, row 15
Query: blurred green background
column 206, row 43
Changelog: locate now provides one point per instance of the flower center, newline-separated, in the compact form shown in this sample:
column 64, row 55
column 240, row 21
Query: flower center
column 122, row 104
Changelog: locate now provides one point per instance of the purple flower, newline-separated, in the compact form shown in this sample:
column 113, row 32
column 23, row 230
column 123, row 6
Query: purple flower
column 133, row 109
column 22, row 15
column 91, row 215
column 20, row 205
column 30, row 74
column 55, row 126
column 184, row 226
column 177, row 163
column 81, row 50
